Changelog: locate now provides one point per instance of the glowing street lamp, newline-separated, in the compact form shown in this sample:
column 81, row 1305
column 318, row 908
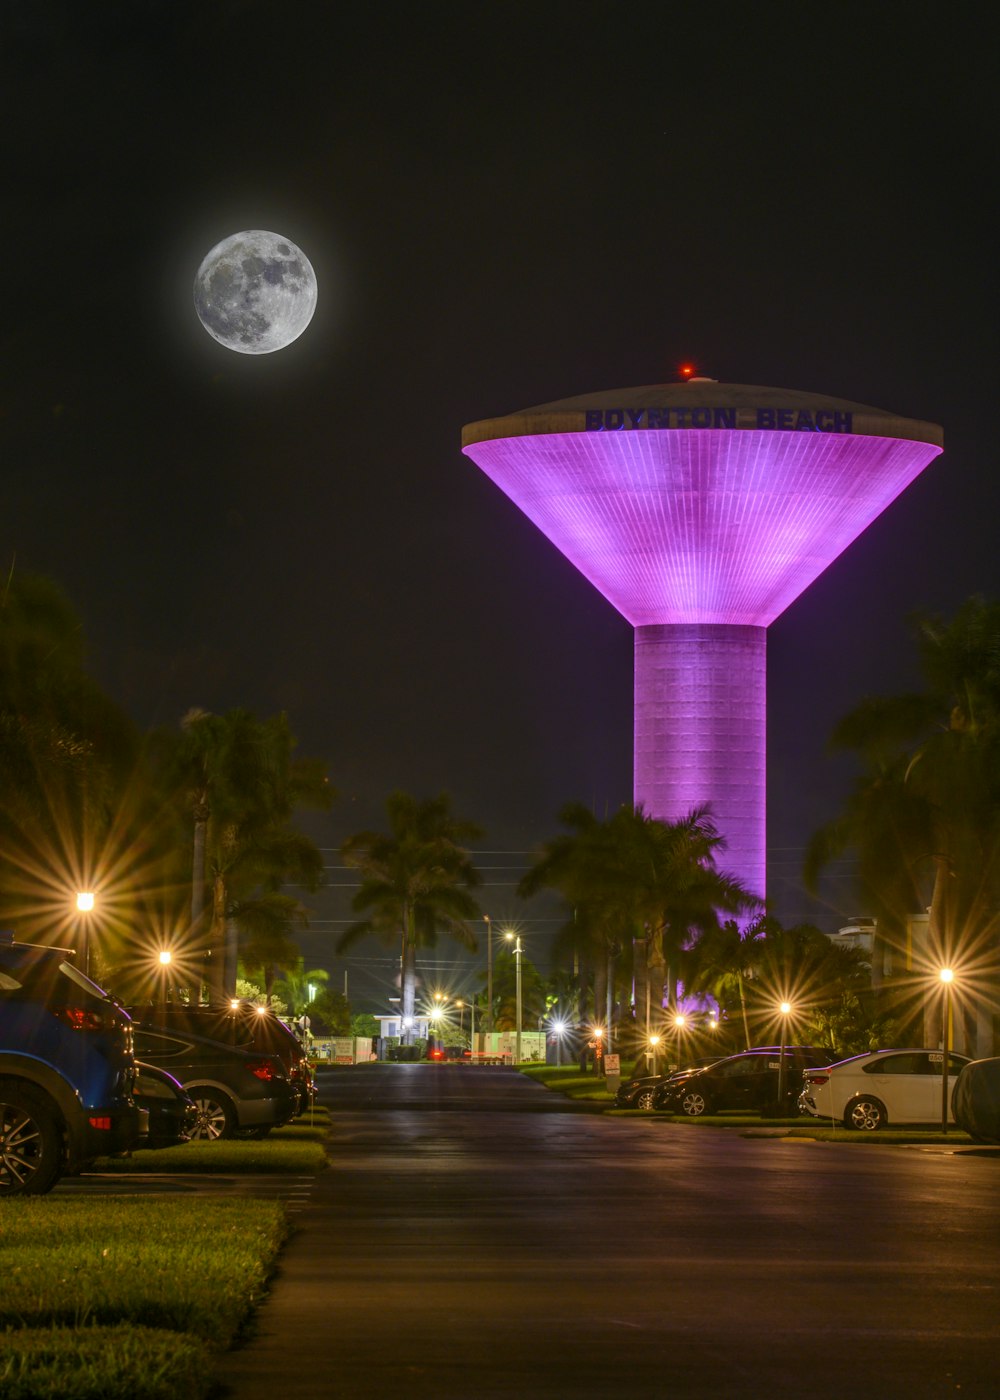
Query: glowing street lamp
column 785, row 1008
column 489, row 974
column 85, row 904
column 165, row 957
column 516, row 938
column 654, row 1041
column 946, row 976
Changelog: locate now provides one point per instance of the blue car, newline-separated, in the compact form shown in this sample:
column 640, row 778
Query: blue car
column 67, row 1070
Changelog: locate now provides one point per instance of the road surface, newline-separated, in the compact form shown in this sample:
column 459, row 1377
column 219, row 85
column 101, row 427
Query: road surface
column 472, row 1239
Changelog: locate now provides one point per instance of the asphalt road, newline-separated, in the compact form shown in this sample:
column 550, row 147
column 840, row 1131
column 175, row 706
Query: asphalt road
column 468, row 1242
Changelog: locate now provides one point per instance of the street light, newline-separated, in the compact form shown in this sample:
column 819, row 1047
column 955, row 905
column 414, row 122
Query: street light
column 489, row 975
column 435, row 1014
column 785, row 1009
column 947, row 976
column 85, row 904
column 654, row 1041
column 165, row 958
column 680, row 1021
column 516, row 937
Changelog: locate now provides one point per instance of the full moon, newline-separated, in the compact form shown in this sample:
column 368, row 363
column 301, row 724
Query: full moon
column 255, row 292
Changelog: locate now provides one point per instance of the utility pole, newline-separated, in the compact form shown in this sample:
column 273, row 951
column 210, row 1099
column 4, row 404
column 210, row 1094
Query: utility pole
column 489, row 976
column 517, row 997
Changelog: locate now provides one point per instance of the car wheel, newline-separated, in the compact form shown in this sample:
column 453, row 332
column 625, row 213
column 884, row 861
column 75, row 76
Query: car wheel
column 692, row 1103
column 30, row 1143
column 216, row 1116
column 866, row 1114
column 645, row 1100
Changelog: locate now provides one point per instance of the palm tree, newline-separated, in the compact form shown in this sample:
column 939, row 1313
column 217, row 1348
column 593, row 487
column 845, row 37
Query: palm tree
column 415, row 883
column 294, row 986
column 268, row 921
column 76, row 804
column 924, row 817
column 242, row 785
column 725, row 959
column 640, row 889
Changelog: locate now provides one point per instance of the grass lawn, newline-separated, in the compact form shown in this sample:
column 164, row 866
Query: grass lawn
column 296, row 1149
column 109, row 1298
column 567, row 1080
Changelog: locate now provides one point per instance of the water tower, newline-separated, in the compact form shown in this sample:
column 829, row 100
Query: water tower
column 701, row 511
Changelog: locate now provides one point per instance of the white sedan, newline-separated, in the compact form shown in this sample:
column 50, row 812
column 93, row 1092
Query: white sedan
column 889, row 1086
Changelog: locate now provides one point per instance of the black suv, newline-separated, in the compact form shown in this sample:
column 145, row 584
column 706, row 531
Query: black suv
column 67, row 1070
column 748, row 1080
column 640, row 1090
column 235, row 1091
column 241, row 1024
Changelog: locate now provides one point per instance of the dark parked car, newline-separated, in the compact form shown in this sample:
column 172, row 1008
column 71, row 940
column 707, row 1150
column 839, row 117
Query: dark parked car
column 235, row 1091
column 976, row 1100
column 66, row 1070
column 748, row 1080
column 172, row 1111
column 640, row 1090
column 244, row 1025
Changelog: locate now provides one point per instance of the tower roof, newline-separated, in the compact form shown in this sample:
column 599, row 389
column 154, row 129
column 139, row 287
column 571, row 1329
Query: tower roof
column 570, row 415
column 701, row 502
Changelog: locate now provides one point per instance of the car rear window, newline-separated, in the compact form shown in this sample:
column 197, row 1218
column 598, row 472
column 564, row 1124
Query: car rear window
column 49, row 979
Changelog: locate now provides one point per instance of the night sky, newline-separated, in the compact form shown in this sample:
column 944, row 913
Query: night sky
column 505, row 204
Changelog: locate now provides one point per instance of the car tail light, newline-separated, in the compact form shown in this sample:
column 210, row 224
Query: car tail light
column 817, row 1079
column 262, row 1069
column 81, row 1018
column 103, row 1123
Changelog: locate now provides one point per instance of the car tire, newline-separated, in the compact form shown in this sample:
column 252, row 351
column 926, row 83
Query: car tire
column 31, row 1148
column 866, row 1114
column 692, row 1103
column 216, row 1115
column 645, row 1100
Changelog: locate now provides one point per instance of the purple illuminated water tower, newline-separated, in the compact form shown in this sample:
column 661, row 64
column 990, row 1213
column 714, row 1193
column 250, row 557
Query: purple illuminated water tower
column 701, row 511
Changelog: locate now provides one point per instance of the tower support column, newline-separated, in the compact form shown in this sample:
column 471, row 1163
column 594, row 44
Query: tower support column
column 701, row 734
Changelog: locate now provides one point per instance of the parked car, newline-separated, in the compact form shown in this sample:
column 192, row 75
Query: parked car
column 67, row 1070
column 235, row 1091
column 976, row 1100
column 639, row 1091
column 748, row 1080
column 172, row 1111
column 887, row 1086
column 244, row 1025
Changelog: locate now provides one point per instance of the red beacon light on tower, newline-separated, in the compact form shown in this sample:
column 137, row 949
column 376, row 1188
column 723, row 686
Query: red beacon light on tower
column 687, row 371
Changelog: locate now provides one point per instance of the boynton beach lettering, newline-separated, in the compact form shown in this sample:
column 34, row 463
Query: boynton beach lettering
column 791, row 420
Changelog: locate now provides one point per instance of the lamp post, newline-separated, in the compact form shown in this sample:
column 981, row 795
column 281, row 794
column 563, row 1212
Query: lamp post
column 947, row 976
column 785, row 1009
column 85, row 904
column 516, row 937
column 489, row 975
column 680, row 1021
column 165, row 959
column 654, row 1041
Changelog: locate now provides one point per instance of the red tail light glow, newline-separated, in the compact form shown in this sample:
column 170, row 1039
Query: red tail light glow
column 261, row 1069
column 80, row 1018
column 817, row 1079
column 103, row 1123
